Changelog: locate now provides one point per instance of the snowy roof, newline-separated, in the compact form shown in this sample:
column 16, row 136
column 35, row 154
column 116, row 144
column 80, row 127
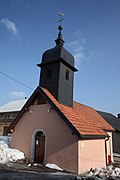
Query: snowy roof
column 12, row 106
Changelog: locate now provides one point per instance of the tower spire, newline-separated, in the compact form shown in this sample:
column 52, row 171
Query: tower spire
column 59, row 40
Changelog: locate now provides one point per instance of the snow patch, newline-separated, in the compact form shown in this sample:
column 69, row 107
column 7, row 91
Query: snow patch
column 53, row 166
column 5, row 139
column 110, row 172
column 9, row 155
column 116, row 155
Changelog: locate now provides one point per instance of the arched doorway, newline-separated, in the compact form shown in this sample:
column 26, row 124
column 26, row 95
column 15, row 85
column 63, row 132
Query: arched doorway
column 39, row 152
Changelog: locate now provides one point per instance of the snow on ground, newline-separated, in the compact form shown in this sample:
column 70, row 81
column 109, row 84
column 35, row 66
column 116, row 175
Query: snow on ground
column 12, row 155
column 116, row 154
column 110, row 172
column 9, row 155
column 53, row 166
column 5, row 139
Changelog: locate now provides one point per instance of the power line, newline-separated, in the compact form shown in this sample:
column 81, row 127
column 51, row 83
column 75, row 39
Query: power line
column 16, row 80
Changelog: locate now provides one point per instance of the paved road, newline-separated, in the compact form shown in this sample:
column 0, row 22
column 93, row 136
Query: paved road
column 12, row 175
column 16, row 171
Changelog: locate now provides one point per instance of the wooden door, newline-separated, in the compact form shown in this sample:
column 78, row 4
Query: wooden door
column 39, row 147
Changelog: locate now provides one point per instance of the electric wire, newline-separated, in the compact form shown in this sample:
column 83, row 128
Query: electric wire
column 16, row 80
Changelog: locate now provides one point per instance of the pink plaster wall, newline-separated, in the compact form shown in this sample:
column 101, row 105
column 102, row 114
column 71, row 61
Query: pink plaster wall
column 91, row 154
column 61, row 144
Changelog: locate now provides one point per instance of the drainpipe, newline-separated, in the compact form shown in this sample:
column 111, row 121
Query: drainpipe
column 78, row 152
column 107, row 138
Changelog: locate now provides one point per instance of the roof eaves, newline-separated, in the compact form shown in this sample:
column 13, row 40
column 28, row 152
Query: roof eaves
column 62, row 115
column 16, row 111
column 112, row 130
column 86, row 137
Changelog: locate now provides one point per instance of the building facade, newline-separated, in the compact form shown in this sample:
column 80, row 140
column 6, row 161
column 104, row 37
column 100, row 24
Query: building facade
column 8, row 113
column 52, row 128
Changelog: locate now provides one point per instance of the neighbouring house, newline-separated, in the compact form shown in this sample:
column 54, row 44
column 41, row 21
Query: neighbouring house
column 115, row 123
column 52, row 128
column 8, row 113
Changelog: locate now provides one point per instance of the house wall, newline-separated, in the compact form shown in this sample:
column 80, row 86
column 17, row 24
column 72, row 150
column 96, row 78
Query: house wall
column 5, row 120
column 116, row 142
column 91, row 154
column 61, row 144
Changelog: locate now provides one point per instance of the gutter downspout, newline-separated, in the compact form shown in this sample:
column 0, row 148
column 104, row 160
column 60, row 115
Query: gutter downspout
column 78, row 171
column 107, row 138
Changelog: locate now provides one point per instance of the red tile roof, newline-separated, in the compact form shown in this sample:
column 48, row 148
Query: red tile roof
column 85, row 119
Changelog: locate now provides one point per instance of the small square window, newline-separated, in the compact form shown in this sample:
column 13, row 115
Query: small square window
column 67, row 75
column 49, row 73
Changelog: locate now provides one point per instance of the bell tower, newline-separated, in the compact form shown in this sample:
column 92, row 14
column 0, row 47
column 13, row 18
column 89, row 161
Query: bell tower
column 57, row 71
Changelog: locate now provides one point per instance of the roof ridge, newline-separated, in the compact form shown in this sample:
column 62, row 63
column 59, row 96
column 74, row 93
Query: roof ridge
column 83, row 104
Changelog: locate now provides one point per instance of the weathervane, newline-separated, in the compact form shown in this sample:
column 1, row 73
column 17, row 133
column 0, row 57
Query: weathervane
column 59, row 40
column 61, row 19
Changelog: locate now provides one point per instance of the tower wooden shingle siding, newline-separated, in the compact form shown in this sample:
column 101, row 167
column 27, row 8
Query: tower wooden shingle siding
column 57, row 72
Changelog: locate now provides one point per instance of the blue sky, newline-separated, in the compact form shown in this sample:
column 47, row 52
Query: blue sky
column 91, row 30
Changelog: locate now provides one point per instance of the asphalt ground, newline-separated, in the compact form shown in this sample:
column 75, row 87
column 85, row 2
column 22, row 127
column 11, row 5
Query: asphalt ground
column 18, row 171
column 22, row 171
